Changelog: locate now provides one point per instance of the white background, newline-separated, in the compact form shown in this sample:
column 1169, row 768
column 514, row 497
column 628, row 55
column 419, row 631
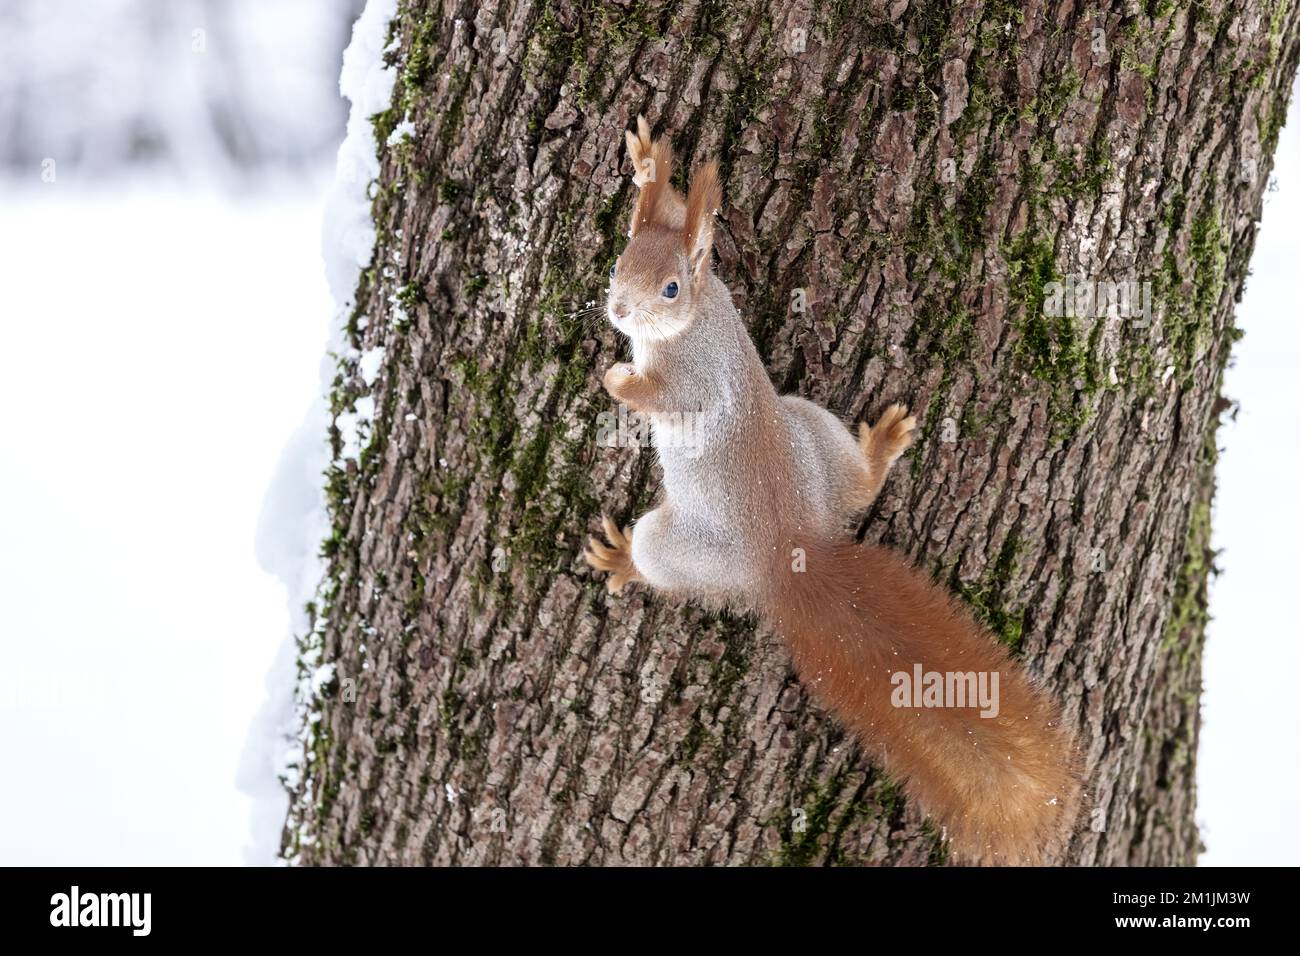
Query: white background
column 160, row 348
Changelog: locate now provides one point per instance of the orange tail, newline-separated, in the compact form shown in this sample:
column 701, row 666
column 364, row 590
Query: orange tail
column 859, row 620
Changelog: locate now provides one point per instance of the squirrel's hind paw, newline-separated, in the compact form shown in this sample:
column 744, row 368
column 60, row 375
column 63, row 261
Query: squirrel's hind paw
column 884, row 441
column 615, row 557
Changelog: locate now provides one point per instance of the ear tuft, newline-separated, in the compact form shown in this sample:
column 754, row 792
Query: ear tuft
column 652, row 164
column 702, row 201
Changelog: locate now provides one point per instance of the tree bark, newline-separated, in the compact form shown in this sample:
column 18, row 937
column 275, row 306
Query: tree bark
column 918, row 174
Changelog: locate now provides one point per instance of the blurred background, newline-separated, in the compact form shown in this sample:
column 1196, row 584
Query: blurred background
column 220, row 90
column 165, row 313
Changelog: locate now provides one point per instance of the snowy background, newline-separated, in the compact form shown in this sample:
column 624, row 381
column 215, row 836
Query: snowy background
column 164, row 170
column 167, row 183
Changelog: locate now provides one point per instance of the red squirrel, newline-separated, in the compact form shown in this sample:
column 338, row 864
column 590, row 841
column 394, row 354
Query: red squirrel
column 756, row 514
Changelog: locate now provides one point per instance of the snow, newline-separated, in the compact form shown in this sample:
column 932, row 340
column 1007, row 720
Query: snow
column 401, row 132
column 295, row 519
column 349, row 235
column 161, row 344
column 354, row 425
column 369, row 363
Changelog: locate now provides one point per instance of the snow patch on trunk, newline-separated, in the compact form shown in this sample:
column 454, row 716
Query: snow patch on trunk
column 295, row 513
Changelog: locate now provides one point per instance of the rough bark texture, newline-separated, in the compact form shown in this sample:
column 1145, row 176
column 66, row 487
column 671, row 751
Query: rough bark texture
column 922, row 171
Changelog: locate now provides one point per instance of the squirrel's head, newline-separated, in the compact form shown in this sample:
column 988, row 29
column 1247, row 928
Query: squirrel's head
column 656, row 283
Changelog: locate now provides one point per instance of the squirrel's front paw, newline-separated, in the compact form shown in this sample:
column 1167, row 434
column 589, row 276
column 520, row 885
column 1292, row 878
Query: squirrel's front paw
column 615, row 557
column 619, row 380
column 639, row 391
column 890, row 436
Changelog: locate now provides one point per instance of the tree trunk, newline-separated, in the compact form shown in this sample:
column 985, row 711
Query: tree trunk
column 917, row 174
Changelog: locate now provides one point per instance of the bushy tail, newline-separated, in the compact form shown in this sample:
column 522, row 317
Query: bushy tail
column 1004, row 788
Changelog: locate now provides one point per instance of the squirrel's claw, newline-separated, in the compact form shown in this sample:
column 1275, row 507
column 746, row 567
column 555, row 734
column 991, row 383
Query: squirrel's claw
column 616, row 537
column 615, row 557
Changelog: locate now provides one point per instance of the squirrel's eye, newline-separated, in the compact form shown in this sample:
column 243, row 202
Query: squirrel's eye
column 612, row 269
column 670, row 290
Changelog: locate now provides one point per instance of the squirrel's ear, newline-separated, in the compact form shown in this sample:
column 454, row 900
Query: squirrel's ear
column 652, row 164
column 702, row 202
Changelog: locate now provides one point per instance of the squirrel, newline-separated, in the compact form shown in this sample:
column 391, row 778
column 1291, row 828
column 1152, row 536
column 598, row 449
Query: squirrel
column 756, row 514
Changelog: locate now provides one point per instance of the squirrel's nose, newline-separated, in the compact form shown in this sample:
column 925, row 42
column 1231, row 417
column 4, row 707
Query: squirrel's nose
column 619, row 309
